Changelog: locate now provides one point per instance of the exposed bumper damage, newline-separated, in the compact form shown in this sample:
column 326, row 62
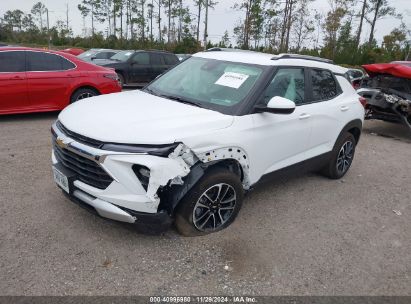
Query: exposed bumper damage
column 128, row 197
column 388, row 93
column 387, row 106
column 169, row 185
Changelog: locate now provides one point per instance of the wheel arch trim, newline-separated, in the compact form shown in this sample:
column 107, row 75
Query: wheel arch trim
column 354, row 127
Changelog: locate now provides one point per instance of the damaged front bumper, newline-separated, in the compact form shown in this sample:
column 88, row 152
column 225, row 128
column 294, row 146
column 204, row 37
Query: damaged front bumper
column 125, row 198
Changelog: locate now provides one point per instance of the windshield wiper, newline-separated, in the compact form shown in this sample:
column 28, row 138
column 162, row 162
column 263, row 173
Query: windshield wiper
column 182, row 100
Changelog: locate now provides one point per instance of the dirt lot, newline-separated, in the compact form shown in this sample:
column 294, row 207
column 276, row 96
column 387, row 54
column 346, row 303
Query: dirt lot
column 305, row 235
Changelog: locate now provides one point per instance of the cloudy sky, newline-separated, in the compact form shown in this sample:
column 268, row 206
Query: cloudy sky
column 222, row 18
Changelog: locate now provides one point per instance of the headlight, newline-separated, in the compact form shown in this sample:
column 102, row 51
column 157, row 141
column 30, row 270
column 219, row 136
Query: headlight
column 159, row 150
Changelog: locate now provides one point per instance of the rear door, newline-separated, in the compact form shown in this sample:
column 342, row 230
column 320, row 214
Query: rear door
column 330, row 110
column 158, row 65
column 140, row 68
column 49, row 79
column 13, row 81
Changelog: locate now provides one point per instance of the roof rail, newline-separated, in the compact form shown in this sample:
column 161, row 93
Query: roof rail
column 304, row 57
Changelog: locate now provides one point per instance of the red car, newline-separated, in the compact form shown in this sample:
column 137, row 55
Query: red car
column 35, row 80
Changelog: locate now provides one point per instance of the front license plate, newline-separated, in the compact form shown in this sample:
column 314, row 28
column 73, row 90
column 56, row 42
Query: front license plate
column 61, row 180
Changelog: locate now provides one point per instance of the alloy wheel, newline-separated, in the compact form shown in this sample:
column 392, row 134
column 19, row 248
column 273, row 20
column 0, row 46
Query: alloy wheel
column 345, row 157
column 214, row 207
column 84, row 95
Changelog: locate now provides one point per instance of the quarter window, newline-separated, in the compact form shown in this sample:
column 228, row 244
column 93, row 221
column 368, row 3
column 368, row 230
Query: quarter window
column 12, row 62
column 171, row 59
column 288, row 83
column 324, row 86
column 42, row 62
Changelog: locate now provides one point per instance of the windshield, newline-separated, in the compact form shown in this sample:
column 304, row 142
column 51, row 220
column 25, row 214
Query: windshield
column 209, row 83
column 122, row 56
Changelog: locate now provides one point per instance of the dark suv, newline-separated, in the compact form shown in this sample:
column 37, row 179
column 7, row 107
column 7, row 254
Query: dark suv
column 140, row 67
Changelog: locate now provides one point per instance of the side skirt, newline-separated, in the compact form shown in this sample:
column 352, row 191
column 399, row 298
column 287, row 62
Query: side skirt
column 309, row 165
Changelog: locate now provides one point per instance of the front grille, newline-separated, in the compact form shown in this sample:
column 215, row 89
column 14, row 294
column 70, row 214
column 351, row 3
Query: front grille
column 87, row 171
column 79, row 138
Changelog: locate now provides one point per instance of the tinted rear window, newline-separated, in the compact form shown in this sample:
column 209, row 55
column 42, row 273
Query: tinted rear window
column 12, row 61
column 38, row 61
column 324, row 86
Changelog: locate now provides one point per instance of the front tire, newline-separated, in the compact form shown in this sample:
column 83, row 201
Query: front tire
column 211, row 205
column 342, row 157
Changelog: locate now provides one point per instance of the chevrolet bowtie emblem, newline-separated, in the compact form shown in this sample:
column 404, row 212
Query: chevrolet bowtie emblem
column 60, row 142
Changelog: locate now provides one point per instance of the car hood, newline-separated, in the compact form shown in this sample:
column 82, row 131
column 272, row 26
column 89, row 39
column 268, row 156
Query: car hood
column 137, row 117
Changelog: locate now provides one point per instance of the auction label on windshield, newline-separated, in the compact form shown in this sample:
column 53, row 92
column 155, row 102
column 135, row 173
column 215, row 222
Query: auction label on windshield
column 232, row 80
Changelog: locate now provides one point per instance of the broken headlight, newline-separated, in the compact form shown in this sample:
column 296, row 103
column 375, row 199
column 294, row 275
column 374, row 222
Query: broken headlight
column 158, row 150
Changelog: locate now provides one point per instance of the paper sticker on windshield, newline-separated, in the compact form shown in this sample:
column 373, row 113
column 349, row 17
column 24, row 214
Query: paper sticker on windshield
column 232, row 80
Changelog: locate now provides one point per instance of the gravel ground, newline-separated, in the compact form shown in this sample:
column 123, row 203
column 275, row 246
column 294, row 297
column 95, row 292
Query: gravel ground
column 306, row 235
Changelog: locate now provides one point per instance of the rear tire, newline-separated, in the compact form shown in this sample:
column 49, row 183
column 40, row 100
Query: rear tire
column 211, row 205
column 342, row 157
column 120, row 79
column 82, row 93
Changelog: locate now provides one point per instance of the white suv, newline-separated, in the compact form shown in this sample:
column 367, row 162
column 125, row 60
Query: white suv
column 188, row 146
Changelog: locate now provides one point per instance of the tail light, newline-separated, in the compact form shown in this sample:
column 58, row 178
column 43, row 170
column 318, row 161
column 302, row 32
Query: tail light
column 363, row 101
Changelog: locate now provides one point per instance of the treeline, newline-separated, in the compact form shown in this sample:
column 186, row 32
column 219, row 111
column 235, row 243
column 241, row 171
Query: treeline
column 345, row 33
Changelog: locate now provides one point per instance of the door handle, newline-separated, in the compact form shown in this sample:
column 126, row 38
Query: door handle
column 344, row 108
column 17, row 77
column 304, row 116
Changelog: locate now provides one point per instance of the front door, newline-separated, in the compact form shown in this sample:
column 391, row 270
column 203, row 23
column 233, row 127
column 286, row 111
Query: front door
column 282, row 139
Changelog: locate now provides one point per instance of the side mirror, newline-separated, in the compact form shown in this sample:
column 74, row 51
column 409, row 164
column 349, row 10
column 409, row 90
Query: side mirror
column 277, row 105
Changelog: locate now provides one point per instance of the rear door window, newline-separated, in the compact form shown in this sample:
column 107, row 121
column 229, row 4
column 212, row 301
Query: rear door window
column 42, row 62
column 12, row 62
column 157, row 59
column 324, row 86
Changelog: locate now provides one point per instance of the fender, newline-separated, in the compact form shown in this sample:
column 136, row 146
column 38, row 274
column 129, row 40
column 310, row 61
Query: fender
column 354, row 124
column 172, row 194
